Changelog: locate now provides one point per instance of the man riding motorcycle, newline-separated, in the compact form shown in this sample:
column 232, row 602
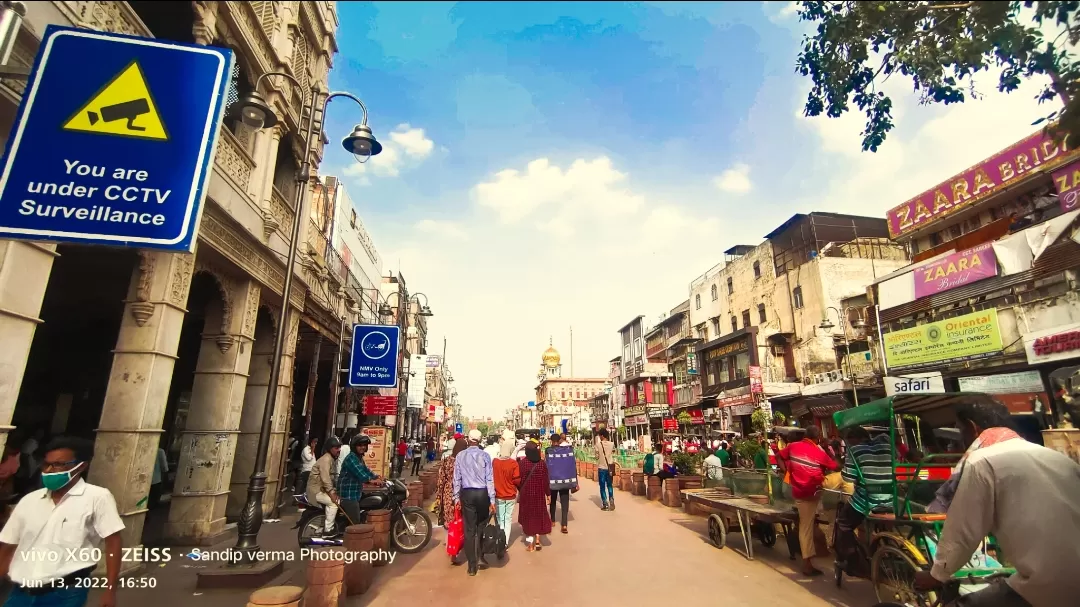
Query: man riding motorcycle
column 354, row 473
column 320, row 486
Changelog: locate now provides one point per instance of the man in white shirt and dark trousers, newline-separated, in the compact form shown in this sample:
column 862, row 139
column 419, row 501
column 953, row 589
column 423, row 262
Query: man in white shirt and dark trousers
column 1028, row 497
column 48, row 547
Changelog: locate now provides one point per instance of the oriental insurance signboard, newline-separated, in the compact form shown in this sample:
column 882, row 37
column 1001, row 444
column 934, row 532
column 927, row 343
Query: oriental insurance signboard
column 966, row 337
column 1036, row 154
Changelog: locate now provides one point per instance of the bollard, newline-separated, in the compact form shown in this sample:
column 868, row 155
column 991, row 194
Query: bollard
column 652, row 489
column 625, row 480
column 637, row 480
column 639, row 488
column 416, row 493
column 380, row 522
column 672, row 498
column 326, row 584
column 359, row 574
column 276, row 596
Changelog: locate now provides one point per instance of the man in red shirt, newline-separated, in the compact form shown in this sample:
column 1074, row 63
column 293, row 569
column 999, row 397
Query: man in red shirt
column 807, row 463
column 399, row 460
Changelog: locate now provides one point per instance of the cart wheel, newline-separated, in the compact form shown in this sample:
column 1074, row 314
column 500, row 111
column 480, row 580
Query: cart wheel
column 892, row 571
column 717, row 531
column 767, row 534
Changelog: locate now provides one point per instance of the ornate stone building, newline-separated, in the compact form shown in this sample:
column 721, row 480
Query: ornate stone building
column 141, row 349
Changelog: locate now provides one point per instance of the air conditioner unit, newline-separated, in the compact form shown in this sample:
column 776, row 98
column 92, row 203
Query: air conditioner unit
column 836, row 375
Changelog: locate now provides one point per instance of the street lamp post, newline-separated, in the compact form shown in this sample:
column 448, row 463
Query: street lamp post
column 827, row 325
column 255, row 112
column 386, row 310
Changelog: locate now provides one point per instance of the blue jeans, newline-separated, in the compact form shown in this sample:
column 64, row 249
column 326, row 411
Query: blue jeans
column 64, row 597
column 603, row 475
column 504, row 515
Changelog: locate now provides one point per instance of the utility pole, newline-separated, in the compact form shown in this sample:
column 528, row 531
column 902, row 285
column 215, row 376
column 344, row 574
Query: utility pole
column 571, row 351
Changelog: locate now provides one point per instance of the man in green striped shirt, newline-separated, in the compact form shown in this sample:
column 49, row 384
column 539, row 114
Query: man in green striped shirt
column 868, row 465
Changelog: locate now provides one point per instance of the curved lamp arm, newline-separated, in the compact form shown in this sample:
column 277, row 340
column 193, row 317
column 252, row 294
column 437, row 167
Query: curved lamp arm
column 337, row 94
column 268, row 74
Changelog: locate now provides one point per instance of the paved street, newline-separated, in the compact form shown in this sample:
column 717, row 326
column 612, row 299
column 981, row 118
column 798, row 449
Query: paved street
column 641, row 554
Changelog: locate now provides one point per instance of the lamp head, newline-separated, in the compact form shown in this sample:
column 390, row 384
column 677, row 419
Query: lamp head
column 859, row 324
column 255, row 112
column 826, row 324
column 385, row 309
column 425, row 311
column 362, row 143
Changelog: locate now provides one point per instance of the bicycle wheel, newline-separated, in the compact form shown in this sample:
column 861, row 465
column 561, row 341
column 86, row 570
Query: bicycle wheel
column 892, row 571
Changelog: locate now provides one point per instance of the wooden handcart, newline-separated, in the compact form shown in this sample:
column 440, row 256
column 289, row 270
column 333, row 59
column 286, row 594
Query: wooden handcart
column 753, row 519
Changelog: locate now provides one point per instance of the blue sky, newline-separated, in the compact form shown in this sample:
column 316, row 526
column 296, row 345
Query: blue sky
column 556, row 164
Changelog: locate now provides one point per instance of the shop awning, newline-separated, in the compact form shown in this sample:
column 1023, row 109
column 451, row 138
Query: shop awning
column 821, row 407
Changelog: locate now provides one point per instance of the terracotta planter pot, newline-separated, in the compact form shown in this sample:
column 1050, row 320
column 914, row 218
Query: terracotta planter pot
column 639, row 488
column 359, row 574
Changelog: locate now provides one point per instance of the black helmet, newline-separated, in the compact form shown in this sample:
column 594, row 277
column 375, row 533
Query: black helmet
column 360, row 439
column 332, row 442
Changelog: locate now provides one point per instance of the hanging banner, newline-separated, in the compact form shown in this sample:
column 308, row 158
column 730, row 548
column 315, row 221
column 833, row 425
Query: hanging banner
column 671, row 424
column 691, row 363
column 417, row 381
column 966, row 337
column 956, row 270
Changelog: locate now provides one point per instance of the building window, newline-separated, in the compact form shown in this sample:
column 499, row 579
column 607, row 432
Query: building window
column 796, row 294
column 730, row 286
column 746, row 319
column 697, row 301
column 757, row 270
column 716, row 326
column 761, row 313
column 734, row 324
column 352, row 218
column 700, row 331
column 713, row 290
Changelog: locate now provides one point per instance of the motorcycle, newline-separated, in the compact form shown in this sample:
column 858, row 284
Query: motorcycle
column 410, row 527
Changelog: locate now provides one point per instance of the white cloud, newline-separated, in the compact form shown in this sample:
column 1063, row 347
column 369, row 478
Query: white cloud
column 546, row 246
column 735, row 180
column 437, row 227
column 412, row 141
column 405, row 148
column 587, row 190
column 928, row 145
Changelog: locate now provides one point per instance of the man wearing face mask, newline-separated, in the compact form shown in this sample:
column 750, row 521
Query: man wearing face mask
column 69, row 518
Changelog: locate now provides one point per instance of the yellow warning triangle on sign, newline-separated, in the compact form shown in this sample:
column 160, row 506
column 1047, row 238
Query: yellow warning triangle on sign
column 122, row 107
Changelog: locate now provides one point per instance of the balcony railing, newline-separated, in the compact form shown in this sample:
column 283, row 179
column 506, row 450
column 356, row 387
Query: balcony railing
column 234, row 161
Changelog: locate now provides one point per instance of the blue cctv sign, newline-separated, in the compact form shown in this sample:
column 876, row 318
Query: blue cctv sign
column 458, row 428
column 373, row 361
column 113, row 141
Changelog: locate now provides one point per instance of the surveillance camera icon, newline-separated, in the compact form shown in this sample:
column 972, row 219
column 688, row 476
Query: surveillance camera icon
column 128, row 110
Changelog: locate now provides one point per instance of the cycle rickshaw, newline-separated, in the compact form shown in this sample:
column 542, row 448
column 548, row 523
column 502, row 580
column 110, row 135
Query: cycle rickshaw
column 901, row 538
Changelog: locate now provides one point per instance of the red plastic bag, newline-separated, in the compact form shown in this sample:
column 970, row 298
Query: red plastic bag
column 455, row 536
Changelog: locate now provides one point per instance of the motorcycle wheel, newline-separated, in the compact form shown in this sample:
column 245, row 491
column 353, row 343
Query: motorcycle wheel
column 310, row 526
column 413, row 541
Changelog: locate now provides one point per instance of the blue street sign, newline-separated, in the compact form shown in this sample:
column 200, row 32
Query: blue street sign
column 373, row 362
column 458, row 428
column 113, row 141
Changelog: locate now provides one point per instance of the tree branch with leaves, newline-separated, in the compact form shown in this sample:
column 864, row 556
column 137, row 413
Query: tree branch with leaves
column 940, row 46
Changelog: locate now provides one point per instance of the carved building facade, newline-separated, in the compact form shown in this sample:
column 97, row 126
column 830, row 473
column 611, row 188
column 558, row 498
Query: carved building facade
column 145, row 349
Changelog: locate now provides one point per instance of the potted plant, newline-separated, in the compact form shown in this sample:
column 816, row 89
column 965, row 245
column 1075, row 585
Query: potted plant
column 778, row 418
column 759, row 420
column 684, row 419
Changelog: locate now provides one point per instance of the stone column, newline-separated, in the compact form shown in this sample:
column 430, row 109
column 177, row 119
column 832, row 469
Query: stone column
column 24, row 274
column 262, row 353
column 282, row 408
column 134, row 408
column 197, row 512
column 263, row 178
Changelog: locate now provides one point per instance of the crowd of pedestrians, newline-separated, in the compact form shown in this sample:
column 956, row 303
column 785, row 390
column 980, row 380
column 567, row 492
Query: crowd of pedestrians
column 478, row 489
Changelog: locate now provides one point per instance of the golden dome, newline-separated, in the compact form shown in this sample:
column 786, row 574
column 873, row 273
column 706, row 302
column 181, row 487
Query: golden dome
column 551, row 357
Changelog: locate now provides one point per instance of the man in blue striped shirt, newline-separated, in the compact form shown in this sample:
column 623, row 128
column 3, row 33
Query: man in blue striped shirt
column 474, row 489
column 868, row 465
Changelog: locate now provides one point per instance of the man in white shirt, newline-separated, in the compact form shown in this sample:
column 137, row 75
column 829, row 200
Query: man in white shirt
column 1028, row 498
column 714, row 468
column 49, row 546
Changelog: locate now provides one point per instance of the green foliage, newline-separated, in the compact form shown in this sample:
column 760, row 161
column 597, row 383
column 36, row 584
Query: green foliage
column 778, row 418
column 747, row 449
column 484, row 428
column 940, row 46
column 684, row 418
column 759, row 420
column 686, row 463
column 621, row 430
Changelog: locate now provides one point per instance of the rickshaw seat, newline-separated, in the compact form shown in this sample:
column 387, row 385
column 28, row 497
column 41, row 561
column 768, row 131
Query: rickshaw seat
column 915, row 516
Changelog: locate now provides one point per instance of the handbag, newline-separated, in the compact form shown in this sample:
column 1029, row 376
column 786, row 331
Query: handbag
column 493, row 540
column 607, row 458
column 455, row 535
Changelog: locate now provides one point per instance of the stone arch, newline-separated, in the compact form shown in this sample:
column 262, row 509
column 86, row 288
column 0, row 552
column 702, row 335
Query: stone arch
column 218, row 319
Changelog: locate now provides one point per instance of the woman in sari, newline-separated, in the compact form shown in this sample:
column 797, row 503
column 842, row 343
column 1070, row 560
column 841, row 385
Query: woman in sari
column 533, row 512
